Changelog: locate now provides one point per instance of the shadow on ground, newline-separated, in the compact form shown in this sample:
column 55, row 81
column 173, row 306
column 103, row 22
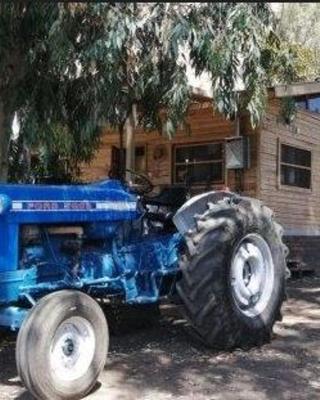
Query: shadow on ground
column 163, row 362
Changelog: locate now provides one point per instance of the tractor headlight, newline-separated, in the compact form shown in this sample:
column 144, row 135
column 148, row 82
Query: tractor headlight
column 5, row 203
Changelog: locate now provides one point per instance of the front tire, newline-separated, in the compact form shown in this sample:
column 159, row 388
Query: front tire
column 233, row 274
column 62, row 346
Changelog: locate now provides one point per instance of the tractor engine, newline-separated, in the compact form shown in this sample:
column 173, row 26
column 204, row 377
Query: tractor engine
column 117, row 257
column 69, row 252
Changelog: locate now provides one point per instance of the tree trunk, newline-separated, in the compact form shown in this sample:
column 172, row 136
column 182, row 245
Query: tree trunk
column 5, row 130
column 130, row 145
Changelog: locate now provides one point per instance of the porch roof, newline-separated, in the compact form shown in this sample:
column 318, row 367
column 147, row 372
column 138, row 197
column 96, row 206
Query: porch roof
column 297, row 89
column 293, row 89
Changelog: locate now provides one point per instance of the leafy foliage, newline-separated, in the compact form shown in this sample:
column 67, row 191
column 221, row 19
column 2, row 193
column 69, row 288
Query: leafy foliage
column 288, row 109
column 304, row 61
column 231, row 45
column 298, row 25
column 19, row 170
column 74, row 67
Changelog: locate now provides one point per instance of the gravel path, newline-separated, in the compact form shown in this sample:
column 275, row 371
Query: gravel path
column 164, row 363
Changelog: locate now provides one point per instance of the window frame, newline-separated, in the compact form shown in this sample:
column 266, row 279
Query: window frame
column 145, row 155
column 306, row 98
column 280, row 163
column 195, row 144
column 142, row 145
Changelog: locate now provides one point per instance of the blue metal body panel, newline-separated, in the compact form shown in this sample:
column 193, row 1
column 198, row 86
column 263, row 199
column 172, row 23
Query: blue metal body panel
column 39, row 204
column 12, row 317
column 134, row 267
column 105, row 201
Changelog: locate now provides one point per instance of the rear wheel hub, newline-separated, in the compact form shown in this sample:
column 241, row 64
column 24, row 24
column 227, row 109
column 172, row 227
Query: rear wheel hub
column 252, row 275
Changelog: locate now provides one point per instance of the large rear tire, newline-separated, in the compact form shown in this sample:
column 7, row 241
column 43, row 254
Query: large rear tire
column 62, row 346
column 232, row 281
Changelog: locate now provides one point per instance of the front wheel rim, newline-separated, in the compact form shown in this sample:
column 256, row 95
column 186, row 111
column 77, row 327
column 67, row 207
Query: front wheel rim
column 72, row 349
column 252, row 275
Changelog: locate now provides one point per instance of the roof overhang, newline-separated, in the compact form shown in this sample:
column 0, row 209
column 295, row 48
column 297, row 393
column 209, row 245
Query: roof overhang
column 297, row 89
column 293, row 89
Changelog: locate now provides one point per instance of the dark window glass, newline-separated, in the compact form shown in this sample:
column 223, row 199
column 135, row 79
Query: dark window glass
column 199, row 164
column 314, row 104
column 199, row 173
column 139, row 162
column 198, row 153
column 295, row 167
column 310, row 103
column 301, row 102
column 292, row 155
column 295, row 176
column 139, row 151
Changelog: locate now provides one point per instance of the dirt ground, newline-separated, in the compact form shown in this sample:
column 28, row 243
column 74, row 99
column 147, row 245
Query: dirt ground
column 163, row 363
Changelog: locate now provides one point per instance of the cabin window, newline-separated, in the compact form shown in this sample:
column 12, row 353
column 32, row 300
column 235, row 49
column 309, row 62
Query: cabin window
column 140, row 161
column 310, row 103
column 198, row 164
column 295, row 166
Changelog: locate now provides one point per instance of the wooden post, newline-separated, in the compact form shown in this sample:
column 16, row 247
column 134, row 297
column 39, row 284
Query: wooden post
column 121, row 169
column 129, row 128
column 239, row 173
column 237, row 117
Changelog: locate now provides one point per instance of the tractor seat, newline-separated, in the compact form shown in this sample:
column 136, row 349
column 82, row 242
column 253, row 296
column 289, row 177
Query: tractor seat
column 171, row 196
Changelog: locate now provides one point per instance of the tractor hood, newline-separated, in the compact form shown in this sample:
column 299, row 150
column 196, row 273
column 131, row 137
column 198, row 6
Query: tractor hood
column 107, row 200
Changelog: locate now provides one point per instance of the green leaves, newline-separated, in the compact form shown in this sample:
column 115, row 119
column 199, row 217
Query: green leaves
column 86, row 64
column 231, row 38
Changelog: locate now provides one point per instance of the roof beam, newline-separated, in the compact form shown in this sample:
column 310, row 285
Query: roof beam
column 297, row 89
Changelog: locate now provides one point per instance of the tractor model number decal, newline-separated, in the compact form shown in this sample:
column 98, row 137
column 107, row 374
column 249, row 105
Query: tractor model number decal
column 46, row 205
column 73, row 206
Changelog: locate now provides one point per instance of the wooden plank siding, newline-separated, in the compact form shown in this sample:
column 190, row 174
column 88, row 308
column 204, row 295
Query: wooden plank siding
column 297, row 209
column 205, row 126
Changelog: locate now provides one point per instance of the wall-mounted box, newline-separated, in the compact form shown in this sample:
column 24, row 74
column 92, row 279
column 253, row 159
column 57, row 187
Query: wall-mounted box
column 237, row 152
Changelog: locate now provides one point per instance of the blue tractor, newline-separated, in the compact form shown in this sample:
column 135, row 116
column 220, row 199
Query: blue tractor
column 64, row 249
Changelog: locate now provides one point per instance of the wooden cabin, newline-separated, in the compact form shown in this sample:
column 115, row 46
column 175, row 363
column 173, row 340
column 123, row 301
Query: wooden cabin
column 278, row 163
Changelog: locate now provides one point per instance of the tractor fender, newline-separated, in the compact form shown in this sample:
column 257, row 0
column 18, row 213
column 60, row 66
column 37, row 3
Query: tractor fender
column 184, row 219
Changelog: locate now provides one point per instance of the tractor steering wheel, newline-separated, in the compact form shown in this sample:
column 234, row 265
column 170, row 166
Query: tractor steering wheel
column 142, row 184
